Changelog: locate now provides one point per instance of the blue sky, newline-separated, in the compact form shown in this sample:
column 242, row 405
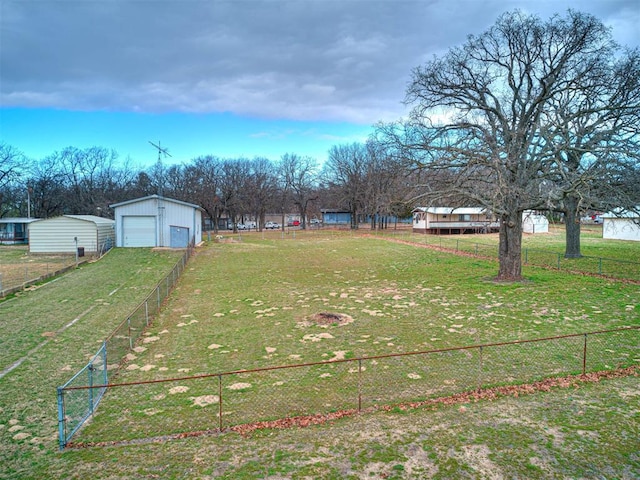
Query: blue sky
column 38, row 132
column 239, row 78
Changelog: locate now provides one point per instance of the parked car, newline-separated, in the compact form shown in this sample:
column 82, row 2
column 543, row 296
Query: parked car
column 272, row 225
column 246, row 226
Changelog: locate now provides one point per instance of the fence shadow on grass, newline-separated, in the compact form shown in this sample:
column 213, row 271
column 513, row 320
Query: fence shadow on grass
column 219, row 401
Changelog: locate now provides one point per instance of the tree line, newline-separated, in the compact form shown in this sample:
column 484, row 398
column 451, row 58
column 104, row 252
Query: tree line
column 356, row 178
column 532, row 114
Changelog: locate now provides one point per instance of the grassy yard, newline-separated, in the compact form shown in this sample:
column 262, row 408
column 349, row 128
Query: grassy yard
column 251, row 303
column 94, row 299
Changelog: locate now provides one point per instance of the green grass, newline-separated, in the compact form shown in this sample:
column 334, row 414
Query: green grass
column 247, row 305
column 99, row 295
column 618, row 258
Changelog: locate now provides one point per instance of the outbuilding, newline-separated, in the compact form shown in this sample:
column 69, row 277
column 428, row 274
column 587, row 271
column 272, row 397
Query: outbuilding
column 336, row 217
column 157, row 221
column 621, row 225
column 533, row 222
column 82, row 234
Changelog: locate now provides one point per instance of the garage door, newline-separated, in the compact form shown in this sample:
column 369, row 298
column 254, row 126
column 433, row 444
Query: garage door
column 139, row 231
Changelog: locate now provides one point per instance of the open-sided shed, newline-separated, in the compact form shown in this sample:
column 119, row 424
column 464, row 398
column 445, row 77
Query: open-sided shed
column 157, row 221
column 72, row 233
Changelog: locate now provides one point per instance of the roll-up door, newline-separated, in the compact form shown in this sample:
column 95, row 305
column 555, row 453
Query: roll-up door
column 139, row 231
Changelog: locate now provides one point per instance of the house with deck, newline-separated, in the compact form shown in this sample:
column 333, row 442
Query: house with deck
column 15, row 231
column 454, row 220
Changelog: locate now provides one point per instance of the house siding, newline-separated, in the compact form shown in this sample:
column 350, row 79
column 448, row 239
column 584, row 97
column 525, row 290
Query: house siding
column 620, row 229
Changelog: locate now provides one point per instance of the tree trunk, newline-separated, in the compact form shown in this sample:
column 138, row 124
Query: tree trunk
column 572, row 228
column 510, row 250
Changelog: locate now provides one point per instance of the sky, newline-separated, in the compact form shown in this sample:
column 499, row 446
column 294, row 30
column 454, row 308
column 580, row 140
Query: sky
column 241, row 78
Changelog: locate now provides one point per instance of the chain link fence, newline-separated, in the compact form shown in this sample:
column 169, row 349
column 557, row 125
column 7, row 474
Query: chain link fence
column 609, row 267
column 218, row 401
column 76, row 405
column 18, row 275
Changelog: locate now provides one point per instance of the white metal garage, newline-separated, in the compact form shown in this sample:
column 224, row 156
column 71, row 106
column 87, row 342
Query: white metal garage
column 156, row 221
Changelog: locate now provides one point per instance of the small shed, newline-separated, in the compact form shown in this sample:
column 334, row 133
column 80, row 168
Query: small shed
column 157, row 221
column 621, row 225
column 15, row 230
column 533, row 222
column 72, row 233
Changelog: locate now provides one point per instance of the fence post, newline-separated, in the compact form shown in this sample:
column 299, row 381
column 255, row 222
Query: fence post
column 62, row 437
column 146, row 311
column 105, row 374
column 526, row 256
column 129, row 330
column 359, row 385
column 159, row 301
column 559, row 261
column 599, row 265
column 220, row 403
column 584, row 356
column 90, row 374
column 480, row 369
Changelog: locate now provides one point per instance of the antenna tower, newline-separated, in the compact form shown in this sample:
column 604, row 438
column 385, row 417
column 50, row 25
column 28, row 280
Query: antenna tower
column 165, row 152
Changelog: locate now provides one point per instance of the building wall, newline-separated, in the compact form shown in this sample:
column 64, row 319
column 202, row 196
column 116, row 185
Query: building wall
column 58, row 235
column 620, row 229
column 336, row 218
column 168, row 213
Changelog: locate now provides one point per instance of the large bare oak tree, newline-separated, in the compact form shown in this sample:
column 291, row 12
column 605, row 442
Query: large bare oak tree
column 478, row 112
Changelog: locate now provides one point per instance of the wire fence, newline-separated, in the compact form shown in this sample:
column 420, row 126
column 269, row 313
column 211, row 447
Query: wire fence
column 219, row 401
column 75, row 405
column 18, row 275
column 610, row 267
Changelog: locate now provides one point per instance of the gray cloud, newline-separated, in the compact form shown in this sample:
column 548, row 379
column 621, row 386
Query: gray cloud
column 346, row 60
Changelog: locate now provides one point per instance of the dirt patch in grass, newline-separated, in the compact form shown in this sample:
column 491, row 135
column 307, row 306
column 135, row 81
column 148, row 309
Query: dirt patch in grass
column 329, row 318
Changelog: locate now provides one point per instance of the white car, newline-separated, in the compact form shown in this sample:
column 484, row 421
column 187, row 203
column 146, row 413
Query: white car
column 272, row 225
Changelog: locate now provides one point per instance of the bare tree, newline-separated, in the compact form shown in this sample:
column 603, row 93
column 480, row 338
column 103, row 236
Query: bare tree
column 260, row 189
column 386, row 189
column 298, row 180
column 12, row 164
column 233, row 187
column 594, row 130
column 345, row 173
column 204, row 176
column 478, row 110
